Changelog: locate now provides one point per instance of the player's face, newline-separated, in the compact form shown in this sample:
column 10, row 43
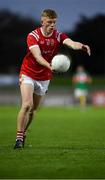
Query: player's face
column 48, row 24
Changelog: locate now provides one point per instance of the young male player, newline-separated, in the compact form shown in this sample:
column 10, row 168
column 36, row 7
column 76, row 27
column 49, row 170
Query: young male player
column 36, row 71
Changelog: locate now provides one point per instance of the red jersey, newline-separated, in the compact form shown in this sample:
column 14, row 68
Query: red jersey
column 49, row 47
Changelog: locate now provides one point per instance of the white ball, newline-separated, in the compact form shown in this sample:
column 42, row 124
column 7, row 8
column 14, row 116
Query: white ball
column 60, row 63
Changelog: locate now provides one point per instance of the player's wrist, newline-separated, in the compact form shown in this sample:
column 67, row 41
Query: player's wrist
column 49, row 66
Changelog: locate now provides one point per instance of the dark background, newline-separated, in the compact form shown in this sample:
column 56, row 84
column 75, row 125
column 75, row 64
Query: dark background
column 14, row 29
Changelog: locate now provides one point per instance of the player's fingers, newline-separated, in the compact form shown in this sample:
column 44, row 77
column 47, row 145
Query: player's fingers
column 54, row 71
column 87, row 49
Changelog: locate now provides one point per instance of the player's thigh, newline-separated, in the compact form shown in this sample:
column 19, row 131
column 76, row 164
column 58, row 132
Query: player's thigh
column 37, row 99
column 27, row 94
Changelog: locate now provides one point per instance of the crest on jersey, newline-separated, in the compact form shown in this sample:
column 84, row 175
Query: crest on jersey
column 41, row 42
column 50, row 42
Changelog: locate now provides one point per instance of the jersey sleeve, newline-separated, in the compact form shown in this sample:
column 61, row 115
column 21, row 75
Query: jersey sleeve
column 63, row 36
column 32, row 40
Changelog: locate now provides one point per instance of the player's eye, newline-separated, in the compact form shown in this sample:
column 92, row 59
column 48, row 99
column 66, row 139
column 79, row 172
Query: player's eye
column 51, row 22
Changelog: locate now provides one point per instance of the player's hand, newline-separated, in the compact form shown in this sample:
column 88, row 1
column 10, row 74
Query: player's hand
column 50, row 67
column 54, row 71
column 86, row 48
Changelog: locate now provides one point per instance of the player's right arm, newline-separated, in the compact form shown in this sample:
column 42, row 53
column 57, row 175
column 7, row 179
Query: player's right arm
column 36, row 52
column 32, row 42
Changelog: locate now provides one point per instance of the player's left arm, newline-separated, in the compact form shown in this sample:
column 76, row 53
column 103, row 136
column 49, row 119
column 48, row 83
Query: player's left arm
column 77, row 45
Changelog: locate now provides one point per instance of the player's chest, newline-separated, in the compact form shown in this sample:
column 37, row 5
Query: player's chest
column 48, row 43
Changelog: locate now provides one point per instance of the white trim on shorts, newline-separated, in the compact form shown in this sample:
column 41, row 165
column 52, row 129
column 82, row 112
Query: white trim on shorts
column 40, row 87
column 80, row 92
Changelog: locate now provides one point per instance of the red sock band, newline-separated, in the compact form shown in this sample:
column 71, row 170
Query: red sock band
column 19, row 135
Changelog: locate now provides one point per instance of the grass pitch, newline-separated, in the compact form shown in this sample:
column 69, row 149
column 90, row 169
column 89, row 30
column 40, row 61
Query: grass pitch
column 62, row 143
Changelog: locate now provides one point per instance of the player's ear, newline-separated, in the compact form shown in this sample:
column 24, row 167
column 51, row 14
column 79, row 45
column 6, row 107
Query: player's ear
column 42, row 21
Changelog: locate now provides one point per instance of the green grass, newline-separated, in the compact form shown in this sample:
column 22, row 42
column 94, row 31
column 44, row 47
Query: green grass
column 63, row 142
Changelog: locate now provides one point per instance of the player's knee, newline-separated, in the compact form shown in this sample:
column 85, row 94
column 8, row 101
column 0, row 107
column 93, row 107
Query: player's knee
column 27, row 106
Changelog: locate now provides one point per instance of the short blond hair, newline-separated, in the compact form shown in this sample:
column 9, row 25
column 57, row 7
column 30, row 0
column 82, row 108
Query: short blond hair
column 49, row 13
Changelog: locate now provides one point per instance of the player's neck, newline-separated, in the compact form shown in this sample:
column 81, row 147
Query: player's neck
column 46, row 34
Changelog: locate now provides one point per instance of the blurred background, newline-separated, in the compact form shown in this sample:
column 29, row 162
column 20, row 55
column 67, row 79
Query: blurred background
column 83, row 21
